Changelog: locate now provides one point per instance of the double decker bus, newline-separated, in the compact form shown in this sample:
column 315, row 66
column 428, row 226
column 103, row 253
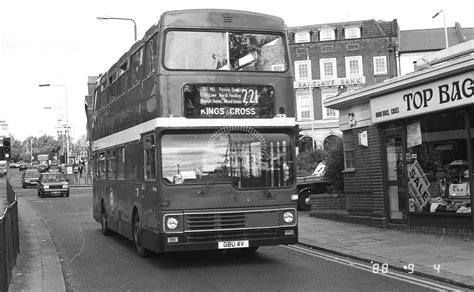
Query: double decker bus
column 193, row 135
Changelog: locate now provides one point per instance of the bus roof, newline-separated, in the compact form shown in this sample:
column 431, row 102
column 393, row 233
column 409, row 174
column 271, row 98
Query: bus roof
column 212, row 18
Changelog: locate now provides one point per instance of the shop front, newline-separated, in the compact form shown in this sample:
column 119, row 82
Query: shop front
column 421, row 127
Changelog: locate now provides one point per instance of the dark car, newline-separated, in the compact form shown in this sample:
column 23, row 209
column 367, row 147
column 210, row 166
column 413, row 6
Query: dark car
column 53, row 183
column 22, row 166
column 42, row 167
column 29, row 178
column 32, row 167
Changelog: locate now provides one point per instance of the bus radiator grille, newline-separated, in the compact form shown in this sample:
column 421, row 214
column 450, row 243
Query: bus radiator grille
column 224, row 221
column 212, row 221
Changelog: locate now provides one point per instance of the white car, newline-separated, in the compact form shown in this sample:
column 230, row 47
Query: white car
column 319, row 171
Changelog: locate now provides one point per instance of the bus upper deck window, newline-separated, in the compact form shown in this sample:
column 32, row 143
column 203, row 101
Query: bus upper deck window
column 226, row 51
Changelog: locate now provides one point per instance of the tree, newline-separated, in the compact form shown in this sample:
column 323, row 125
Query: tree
column 307, row 161
column 335, row 166
column 39, row 145
column 17, row 149
column 79, row 146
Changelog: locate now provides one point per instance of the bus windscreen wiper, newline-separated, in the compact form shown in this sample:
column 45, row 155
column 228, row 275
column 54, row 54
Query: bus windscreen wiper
column 267, row 192
column 213, row 178
column 216, row 174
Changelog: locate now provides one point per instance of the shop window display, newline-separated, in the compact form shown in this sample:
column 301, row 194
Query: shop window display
column 437, row 163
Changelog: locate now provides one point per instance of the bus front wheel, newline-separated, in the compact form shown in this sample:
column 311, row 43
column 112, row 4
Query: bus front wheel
column 304, row 201
column 137, row 237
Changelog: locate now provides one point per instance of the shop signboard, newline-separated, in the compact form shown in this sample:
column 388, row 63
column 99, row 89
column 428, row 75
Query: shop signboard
column 433, row 96
column 418, row 185
column 344, row 81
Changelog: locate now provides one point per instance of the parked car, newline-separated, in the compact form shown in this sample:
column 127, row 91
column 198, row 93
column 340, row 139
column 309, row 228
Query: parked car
column 13, row 165
column 54, row 168
column 29, row 178
column 22, row 166
column 32, row 167
column 3, row 171
column 42, row 167
column 53, row 183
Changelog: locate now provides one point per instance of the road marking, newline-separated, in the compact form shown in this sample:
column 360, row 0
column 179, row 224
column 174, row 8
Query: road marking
column 368, row 268
column 82, row 247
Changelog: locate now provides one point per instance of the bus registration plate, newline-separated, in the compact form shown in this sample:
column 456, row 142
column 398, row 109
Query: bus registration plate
column 233, row 244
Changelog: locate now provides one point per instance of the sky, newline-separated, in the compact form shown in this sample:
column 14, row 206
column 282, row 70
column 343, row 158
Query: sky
column 61, row 43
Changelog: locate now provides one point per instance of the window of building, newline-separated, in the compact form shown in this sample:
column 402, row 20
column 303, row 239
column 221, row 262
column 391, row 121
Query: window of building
column 380, row 65
column 149, row 156
column 354, row 66
column 352, row 47
column 304, row 105
column 330, row 142
column 352, row 32
column 437, row 163
column 303, row 51
column 328, row 68
column 302, row 37
column 327, row 49
column 349, row 149
column 327, row 34
column 329, row 113
column 303, row 69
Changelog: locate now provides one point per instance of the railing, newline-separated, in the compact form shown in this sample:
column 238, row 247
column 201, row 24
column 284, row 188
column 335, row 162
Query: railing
column 9, row 239
column 78, row 179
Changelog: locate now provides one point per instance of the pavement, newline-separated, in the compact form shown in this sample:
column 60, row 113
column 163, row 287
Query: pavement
column 444, row 258
column 38, row 266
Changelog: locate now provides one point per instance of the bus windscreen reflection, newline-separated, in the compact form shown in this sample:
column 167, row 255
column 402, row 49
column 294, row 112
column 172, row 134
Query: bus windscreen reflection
column 245, row 160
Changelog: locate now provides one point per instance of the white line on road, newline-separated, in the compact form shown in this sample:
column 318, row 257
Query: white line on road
column 368, row 268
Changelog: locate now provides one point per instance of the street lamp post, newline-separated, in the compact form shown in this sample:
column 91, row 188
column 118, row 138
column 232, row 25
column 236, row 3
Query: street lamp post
column 66, row 125
column 445, row 28
column 121, row 18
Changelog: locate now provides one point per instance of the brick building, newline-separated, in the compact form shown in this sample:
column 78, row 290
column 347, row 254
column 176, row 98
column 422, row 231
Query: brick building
column 409, row 148
column 333, row 58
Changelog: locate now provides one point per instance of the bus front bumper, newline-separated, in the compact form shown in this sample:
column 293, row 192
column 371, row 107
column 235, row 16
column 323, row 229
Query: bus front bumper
column 236, row 239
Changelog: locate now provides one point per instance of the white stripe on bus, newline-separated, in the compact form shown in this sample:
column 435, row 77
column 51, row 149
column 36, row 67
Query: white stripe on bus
column 133, row 133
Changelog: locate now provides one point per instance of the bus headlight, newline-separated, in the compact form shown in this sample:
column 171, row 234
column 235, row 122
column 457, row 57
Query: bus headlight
column 171, row 223
column 288, row 217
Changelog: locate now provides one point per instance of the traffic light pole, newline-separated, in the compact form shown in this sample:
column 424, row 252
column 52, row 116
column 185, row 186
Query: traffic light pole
column 6, row 155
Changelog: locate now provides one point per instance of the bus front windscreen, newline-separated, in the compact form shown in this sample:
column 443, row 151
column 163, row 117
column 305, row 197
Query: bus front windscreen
column 209, row 50
column 247, row 160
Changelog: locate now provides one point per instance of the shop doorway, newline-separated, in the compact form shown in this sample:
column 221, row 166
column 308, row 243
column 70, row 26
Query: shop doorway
column 395, row 180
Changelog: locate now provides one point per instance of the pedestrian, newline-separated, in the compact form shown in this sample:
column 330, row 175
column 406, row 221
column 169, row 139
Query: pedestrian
column 81, row 169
